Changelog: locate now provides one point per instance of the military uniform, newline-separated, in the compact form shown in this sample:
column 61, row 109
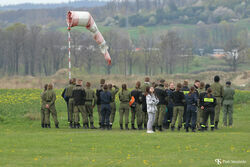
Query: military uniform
column 209, row 104
column 136, row 109
column 185, row 90
column 89, row 105
column 178, row 100
column 124, row 97
column 199, row 110
column 68, row 95
column 228, row 100
column 79, row 96
column 43, row 103
column 98, row 102
column 161, row 94
column 144, row 105
column 218, row 92
column 50, row 98
column 113, row 104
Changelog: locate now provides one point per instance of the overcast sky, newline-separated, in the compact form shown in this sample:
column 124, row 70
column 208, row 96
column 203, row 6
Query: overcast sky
column 10, row 2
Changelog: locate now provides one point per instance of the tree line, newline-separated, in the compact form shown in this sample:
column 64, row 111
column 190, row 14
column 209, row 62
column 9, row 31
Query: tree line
column 35, row 50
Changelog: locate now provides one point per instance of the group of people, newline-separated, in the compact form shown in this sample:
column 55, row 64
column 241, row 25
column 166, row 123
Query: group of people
column 154, row 106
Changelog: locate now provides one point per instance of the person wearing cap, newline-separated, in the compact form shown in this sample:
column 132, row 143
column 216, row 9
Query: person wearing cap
column 218, row 92
column 228, row 100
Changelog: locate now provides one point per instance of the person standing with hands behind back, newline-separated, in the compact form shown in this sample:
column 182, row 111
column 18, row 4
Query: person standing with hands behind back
column 152, row 101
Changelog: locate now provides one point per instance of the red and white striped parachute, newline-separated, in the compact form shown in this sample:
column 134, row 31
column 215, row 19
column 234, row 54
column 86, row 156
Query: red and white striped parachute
column 84, row 19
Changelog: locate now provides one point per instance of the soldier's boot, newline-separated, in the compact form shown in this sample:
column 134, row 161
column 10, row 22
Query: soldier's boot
column 42, row 125
column 193, row 129
column 205, row 128
column 133, row 127
column 45, row 126
column 160, row 128
column 167, row 125
column 179, row 128
column 216, row 125
column 71, row 125
column 57, row 126
column 172, row 128
column 145, row 126
column 153, row 128
column 212, row 128
column 187, row 129
column 92, row 126
column 108, row 127
column 121, row 127
column 78, row 125
column 100, row 125
column 126, row 126
column 87, row 125
column 140, row 127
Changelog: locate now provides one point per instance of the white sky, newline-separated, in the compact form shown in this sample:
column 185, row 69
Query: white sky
column 11, row 2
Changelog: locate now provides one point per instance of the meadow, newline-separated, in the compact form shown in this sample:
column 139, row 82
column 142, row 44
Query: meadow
column 24, row 143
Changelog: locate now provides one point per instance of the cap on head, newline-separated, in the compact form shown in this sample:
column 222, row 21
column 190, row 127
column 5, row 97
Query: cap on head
column 162, row 81
column 216, row 78
column 228, row 83
column 207, row 86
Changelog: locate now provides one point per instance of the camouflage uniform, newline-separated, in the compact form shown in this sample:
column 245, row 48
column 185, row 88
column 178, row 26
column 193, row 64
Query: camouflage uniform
column 124, row 97
column 113, row 104
column 68, row 94
column 218, row 92
column 50, row 98
column 89, row 105
column 228, row 100
column 145, row 114
column 43, row 103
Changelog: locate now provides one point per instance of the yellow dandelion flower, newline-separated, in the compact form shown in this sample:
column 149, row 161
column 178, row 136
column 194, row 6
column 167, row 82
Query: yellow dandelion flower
column 35, row 158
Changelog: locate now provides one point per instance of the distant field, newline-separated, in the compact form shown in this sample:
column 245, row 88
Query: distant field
column 24, row 143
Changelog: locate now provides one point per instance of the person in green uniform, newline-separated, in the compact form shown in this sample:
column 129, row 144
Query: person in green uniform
column 228, row 101
column 112, row 104
column 218, row 92
column 199, row 110
column 144, row 105
column 162, row 95
column 136, row 108
column 50, row 107
column 98, row 102
column 124, row 97
column 178, row 99
column 79, row 96
column 90, row 104
column 68, row 95
column 43, row 104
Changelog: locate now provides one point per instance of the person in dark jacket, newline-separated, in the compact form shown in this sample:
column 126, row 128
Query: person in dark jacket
column 185, row 89
column 208, row 103
column 79, row 96
column 106, row 98
column 161, row 94
column 170, row 105
column 98, row 102
column 178, row 100
column 136, row 108
column 191, row 113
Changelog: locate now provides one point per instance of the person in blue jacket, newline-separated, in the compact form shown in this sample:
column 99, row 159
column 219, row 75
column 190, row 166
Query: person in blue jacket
column 191, row 112
column 106, row 98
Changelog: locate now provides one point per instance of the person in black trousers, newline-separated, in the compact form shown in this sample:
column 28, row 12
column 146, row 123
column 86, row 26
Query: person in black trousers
column 106, row 98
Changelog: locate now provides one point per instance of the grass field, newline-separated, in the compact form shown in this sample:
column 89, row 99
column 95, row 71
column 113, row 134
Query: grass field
column 24, row 143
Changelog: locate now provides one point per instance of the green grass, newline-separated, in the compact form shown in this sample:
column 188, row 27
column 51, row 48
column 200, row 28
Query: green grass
column 24, row 143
